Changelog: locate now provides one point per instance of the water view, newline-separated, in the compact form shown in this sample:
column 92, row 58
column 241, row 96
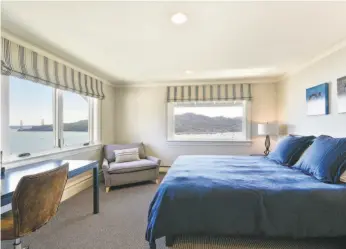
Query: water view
column 31, row 115
column 38, row 141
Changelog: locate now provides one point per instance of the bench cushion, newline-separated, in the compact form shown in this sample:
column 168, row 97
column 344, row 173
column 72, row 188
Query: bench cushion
column 127, row 167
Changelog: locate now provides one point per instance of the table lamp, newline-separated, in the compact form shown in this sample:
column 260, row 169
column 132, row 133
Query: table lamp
column 267, row 130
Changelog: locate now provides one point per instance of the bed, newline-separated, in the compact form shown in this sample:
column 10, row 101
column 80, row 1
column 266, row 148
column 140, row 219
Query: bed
column 243, row 196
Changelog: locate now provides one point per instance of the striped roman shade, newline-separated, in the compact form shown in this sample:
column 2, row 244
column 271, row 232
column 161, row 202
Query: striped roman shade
column 209, row 92
column 25, row 63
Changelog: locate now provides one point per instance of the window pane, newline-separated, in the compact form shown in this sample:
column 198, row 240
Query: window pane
column 75, row 118
column 209, row 122
column 31, row 116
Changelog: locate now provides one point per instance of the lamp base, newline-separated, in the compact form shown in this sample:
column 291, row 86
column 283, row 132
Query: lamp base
column 267, row 145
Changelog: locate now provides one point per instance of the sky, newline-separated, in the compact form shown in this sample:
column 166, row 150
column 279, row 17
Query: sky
column 32, row 102
column 225, row 111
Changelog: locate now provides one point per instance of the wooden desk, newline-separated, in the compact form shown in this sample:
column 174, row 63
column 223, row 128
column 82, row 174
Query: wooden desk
column 76, row 167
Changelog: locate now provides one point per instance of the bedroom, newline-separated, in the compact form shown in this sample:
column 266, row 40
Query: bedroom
column 249, row 62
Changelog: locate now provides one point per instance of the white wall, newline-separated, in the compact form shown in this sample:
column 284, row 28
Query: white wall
column 108, row 115
column 292, row 104
column 140, row 116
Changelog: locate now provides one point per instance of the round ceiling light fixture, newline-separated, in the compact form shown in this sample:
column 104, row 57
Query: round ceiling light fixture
column 179, row 18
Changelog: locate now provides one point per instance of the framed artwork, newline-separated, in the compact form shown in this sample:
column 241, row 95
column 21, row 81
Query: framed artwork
column 342, row 94
column 317, row 99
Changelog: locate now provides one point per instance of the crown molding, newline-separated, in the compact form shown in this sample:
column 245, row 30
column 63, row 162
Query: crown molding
column 164, row 83
column 326, row 53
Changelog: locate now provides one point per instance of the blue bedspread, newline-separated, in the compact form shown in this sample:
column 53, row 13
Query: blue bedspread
column 244, row 195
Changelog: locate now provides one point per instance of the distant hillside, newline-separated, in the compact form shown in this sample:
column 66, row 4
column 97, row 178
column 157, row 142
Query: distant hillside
column 81, row 126
column 16, row 127
column 190, row 123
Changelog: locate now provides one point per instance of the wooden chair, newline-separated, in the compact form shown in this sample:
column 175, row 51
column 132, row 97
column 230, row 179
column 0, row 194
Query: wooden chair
column 35, row 201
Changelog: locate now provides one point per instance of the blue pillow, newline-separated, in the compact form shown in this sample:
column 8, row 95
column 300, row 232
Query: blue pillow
column 290, row 148
column 325, row 159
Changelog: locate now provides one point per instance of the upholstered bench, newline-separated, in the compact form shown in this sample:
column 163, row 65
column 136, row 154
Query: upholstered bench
column 116, row 174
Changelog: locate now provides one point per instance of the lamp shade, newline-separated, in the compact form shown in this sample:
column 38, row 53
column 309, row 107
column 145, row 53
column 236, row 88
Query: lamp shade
column 268, row 129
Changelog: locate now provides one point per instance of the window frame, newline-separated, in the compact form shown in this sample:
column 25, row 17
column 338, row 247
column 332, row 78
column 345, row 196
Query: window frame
column 170, row 122
column 60, row 109
column 93, row 122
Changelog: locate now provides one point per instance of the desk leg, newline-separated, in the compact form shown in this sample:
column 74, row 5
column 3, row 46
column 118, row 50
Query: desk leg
column 96, row 189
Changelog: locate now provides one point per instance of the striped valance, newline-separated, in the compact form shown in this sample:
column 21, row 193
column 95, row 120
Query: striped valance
column 209, row 92
column 25, row 63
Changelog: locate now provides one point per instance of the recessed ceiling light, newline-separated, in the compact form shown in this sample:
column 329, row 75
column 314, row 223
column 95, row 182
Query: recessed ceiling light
column 188, row 72
column 179, row 18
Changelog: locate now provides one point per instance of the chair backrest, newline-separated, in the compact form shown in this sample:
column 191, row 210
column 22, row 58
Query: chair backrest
column 37, row 198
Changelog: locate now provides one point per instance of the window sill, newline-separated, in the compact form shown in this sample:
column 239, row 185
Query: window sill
column 209, row 143
column 13, row 162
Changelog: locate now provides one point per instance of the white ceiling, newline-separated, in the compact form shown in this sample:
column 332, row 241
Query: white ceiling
column 136, row 41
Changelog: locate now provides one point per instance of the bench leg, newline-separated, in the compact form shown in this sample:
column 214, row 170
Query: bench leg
column 169, row 241
column 108, row 189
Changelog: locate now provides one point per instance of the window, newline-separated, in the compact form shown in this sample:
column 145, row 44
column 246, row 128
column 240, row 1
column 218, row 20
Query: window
column 75, row 119
column 36, row 118
column 31, row 117
column 208, row 121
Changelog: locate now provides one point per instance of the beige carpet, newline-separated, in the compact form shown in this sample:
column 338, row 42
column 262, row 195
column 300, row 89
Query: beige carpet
column 122, row 222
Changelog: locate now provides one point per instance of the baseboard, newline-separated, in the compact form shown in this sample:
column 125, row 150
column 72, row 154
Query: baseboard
column 76, row 188
column 86, row 182
column 164, row 169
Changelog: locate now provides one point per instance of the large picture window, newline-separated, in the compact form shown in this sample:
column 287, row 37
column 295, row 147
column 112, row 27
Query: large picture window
column 30, row 116
column 207, row 121
column 38, row 119
column 75, row 119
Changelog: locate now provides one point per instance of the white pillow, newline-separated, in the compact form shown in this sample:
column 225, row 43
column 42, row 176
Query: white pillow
column 126, row 155
column 343, row 177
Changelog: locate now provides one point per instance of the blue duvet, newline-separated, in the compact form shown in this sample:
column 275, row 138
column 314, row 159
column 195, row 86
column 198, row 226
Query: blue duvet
column 243, row 195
